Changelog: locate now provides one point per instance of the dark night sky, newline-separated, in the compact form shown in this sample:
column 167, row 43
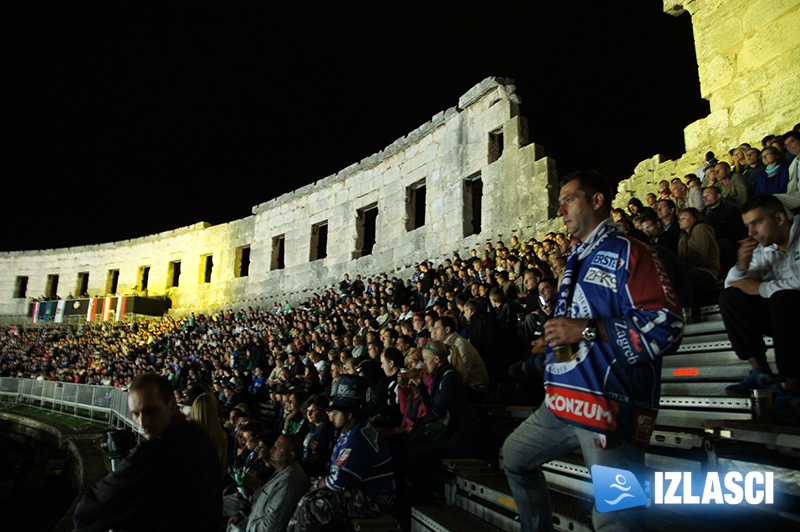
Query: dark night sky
column 125, row 121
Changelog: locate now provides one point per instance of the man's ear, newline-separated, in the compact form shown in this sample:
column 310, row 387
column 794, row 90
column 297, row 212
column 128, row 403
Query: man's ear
column 598, row 200
column 781, row 217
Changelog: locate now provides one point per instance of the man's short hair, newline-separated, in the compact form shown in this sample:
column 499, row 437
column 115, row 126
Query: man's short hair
column 650, row 217
column 669, row 202
column 715, row 190
column 392, row 354
column 448, row 323
column 161, row 384
column 472, row 305
column 253, row 427
column 769, row 204
column 294, row 445
column 392, row 332
column 549, row 280
column 591, row 182
column 497, row 294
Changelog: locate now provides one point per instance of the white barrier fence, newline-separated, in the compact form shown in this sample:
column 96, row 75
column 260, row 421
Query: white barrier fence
column 83, row 400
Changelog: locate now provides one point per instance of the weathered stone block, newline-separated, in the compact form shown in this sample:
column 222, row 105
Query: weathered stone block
column 772, row 40
column 759, row 14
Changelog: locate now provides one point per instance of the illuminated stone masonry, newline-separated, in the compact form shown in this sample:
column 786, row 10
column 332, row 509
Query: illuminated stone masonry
column 748, row 52
column 444, row 187
column 458, row 180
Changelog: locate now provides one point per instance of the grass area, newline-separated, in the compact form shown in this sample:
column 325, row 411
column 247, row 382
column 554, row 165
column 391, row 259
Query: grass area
column 77, row 424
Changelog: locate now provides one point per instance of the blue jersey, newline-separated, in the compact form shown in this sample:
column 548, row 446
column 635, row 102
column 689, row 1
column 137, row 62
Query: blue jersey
column 361, row 459
column 613, row 387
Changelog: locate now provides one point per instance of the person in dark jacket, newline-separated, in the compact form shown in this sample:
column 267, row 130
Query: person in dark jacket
column 447, row 429
column 169, row 482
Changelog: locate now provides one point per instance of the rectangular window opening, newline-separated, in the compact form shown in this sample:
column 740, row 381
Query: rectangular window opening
column 82, row 284
column 206, row 265
column 112, row 281
column 415, row 205
column 173, row 274
column 21, row 287
column 319, row 241
column 242, row 266
column 366, row 229
column 278, row 253
column 51, row 288
column 473, row 198
column 143, row 278
column 495, row 145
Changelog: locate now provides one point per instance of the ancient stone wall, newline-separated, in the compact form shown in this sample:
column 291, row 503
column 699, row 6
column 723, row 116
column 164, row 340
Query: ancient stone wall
column 748, row 52
column 482, row 138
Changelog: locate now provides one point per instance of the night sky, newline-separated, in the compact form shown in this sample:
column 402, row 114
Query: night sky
column 122, row 120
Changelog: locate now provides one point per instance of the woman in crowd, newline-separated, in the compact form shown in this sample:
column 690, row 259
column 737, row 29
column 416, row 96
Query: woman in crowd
column 775, row 177
column 205, row 412
column 318, row 443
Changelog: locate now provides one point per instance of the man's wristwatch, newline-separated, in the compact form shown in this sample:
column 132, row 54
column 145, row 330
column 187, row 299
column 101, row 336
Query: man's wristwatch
column 590, row 332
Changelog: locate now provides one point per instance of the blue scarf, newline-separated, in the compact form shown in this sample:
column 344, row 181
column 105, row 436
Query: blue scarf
column 574, row 261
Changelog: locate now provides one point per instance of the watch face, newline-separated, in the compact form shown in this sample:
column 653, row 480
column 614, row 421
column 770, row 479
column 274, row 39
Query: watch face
column 590, row 334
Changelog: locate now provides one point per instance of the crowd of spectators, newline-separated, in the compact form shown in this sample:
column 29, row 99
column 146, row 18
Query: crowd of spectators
column 460, row 331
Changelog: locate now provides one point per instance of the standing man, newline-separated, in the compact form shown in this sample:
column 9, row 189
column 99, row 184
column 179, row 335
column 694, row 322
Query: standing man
column 616, row 315
column 762, row 296
column 169, row 482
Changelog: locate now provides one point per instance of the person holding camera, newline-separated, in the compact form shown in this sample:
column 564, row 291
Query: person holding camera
column 169, row 482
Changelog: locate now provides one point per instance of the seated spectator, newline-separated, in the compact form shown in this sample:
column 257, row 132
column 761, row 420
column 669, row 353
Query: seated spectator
column 670, row 233
column 205, row 412
column 738, row 160
column 698, row 251
column 529, row 372
column 710, row 175
column 294, row 419
column 471, row 365
column 635, row 207
column 651, row 226
column 448, row 429
column 274, row 503
column 318, row 443
column 245, row 470
column 361, row 481
column 726, row 221
column 694, row 193
column 761, row 297
column 388, row 415
column 733, row 187
column 775, row 177
column 408, row 397
column 792, row 143
column 754, row 169
column 258, row 389
column 677, row 193
column 484, row 335
column 508, row 288
column 675, row 271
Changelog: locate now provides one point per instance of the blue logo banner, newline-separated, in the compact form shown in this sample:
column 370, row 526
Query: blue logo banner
column 616, row 489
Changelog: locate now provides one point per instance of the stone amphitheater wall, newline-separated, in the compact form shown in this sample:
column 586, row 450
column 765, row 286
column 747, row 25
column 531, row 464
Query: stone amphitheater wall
column 445, row 154
column 747, row 55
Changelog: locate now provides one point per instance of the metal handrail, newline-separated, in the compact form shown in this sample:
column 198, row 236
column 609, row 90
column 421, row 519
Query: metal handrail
column 80, row 400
